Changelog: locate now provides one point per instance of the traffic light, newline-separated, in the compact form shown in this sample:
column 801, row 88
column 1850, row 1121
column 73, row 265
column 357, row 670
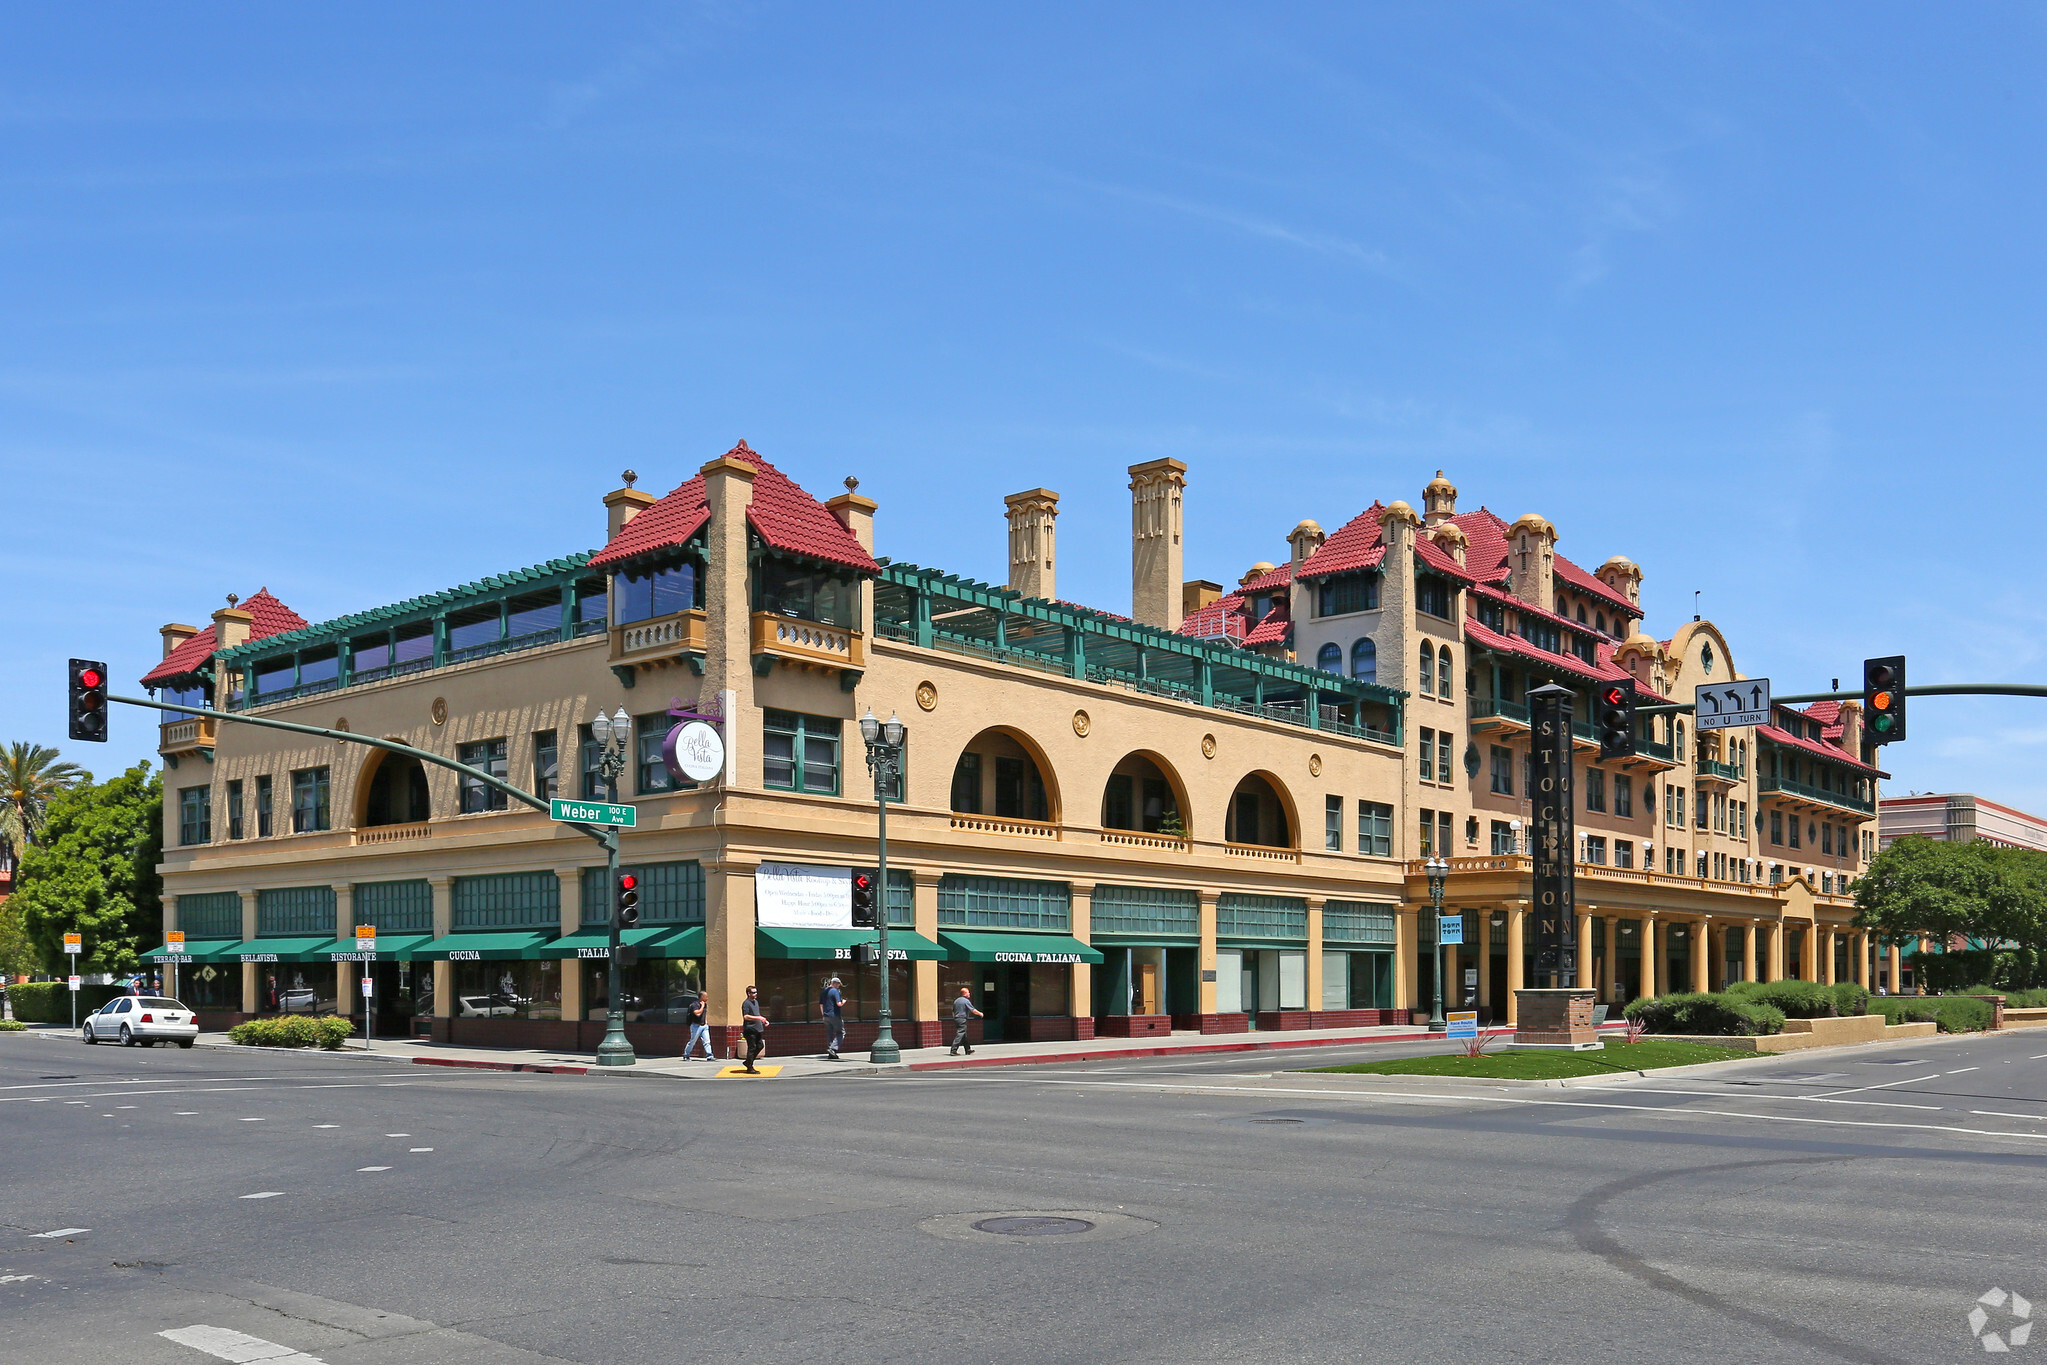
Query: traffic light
column 628, row 912
column 864, row 954
column 863, row 900
column 1616, row 721
column 1883, row 700
column 88, row 700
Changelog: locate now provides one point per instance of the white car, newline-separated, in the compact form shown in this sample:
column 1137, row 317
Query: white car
column 142, row 1019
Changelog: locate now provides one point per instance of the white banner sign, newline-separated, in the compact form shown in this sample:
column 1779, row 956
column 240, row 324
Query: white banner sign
column 793, row 896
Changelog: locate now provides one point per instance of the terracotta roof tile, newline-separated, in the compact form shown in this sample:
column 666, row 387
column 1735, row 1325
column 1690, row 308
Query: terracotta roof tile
column 781, row 513
column 1266, row 582
column 1222, row 619
column 1355, row 545
column 1485, row 544
column 1824, row 750
column 1273, row 630
column 1589, row 584
column 268, row 617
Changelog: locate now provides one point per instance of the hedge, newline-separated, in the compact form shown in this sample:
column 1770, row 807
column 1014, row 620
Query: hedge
column 2017, row 1000
column 1953, row 1013
column 1798, row 999
column 49, row 1002
column 293, row 1030
column 1699, row 1014
column 11, row 1026
column 1849, row 998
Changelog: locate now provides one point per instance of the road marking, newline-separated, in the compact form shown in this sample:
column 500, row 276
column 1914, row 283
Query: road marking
column 124, row 1106
column 252, row 1120
column 15, row 1279
column 339, row 1085
column 397, row 1135
column 238, row 1347
column 2000, row 1114
column 263, row 1194
column 362, row 1169
column 74, row 1101
column 422, row 1149
column 60, row 1232
column 326, row 1125
column 1966, row 1068
column 184, row 1113
column 1858, row 1089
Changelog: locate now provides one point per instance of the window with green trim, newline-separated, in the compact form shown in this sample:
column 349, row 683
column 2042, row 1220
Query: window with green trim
column 195, row 815
column 295, row 911
column 670, row 893
column 263, row 825
column 1357, row 922
column 650, row 732
column 309, row 812
column 1347, row 593
column 966, row 902
column 212, row 914
column 490, row 756
column 395, row 907
column 1145, row 910
column 508, row 900
column 546, row 766
column 1242, row 915
column 801, row 753
column 1375, row 829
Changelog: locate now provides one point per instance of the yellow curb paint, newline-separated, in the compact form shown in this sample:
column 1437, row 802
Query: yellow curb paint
column 742, row 1071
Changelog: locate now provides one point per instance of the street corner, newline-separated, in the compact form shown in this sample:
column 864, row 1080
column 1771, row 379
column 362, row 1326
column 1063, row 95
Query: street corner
column 756, row 1074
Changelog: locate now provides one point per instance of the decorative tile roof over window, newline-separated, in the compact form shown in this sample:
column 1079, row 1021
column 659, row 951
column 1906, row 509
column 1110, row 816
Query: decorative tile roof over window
column 781, row 514
column 268, row 617
column 1485, row 558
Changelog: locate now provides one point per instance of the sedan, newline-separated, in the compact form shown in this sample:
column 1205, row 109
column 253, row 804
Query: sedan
column 137, row 1019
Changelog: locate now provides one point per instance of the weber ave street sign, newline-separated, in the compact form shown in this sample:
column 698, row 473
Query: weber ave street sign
column 592, row 813
column 1732, row 705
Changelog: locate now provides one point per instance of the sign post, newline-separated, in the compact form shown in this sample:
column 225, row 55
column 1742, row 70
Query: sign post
column 174, row 953
column 74, row 944
column 366, row 953
column 1731, row 705
column 1461, row 1024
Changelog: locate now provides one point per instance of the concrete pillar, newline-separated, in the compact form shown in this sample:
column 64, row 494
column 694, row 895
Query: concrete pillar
column 1484, row 951
column 571, row 898
column 1811, row 954
column 728, row 937
column 1453, row 983
column 249, row 997
column 1612, row 955
column 1651, row 982
column 1893, row 961
column 1315, row 904
column 1776, row 930
column 924, row 975
column 1516, row 977
column 1748, row 951
column 1583, row 964
column 1860, row 946
column 1206, row 899
column 443, row 890
column 346, row 1001
column 1406, row 938
column 1829, row 940
column 1081, row 898
column 1702, row 949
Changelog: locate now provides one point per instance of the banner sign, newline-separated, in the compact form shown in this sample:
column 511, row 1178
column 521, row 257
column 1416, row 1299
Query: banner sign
column 796, row 896
column 1554, row 934
column 1450, row 930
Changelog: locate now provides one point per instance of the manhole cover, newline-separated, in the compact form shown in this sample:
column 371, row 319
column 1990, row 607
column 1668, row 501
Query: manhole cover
column 1033, row 1225
column 1279, row 1120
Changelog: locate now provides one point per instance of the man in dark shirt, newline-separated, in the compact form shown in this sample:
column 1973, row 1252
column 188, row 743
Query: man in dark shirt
column 831, row 1004
column 962, row 1010
column 699, row 1029
column 753, row 1022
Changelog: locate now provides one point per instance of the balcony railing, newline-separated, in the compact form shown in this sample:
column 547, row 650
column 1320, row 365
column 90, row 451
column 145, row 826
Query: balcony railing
column 1494, row 708
column 1784, row 786
column 391, row 834
column 991, row 824
column 683, row 632
column 788, row 637
column 1715, row 771
column 183, row 736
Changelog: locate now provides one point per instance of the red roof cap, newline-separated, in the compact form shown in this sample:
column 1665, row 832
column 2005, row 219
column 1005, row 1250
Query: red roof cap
column 268, row 616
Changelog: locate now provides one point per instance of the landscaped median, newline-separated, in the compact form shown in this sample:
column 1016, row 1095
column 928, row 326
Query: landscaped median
column 1616, row 1058
column 1786, row 1016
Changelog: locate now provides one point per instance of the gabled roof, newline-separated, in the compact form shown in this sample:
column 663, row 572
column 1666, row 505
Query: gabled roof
column 268, row 617
column 1508, row 599
column 1604, row 669
column 1355, row 545
column 781, row 514
column 1228, row 618
column 1828, row 715
column 1485, row 558
column 1593, row 587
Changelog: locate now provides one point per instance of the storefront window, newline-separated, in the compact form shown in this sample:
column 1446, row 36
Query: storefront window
column 295, row 987
column 656, row 990
column 507, row 990
column 207, row 986
column 790, row 987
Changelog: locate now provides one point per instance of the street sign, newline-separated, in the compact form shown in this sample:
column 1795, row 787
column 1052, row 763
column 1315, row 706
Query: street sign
column 369, row 985
column 592, row 813
column 1450, row 930
column 366, row 938
column 76, row 982
column 1732, row 705
column 1461, row 1024
column 74, row 943
column 1554, row 934
column 174, row 941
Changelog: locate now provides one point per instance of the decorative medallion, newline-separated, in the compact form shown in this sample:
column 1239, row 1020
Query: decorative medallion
column 1208, row 746
column 927, row 696
column 439, row 711
column 1081, row 724
column 342, row 725
column 1314, row 765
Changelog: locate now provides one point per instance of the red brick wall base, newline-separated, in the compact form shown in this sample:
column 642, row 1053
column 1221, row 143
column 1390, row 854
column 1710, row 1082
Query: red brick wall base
column 1133, row 1025
column 1558, row 1017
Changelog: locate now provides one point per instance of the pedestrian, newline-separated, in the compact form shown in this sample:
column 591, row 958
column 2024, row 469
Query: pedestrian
column 753, row 1022
column 831, row 1003
column 963, row 1010
column 699, row 1030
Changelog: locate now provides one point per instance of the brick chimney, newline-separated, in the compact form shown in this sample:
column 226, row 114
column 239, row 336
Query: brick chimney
column 1532, row 561
column 1033, row 538
column 175, row 635
column 231, row 626
column 621, row 505
column 1157, row 488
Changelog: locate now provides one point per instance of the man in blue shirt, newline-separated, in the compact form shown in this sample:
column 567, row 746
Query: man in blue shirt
column 832, row 1005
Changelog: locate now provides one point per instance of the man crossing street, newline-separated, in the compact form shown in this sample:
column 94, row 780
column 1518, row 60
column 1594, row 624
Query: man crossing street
column 962, row 1010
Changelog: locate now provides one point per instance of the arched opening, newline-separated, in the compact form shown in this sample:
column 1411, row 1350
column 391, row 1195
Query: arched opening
column 1143, row 794
column 1428, row 669
column 396, row 793
column 1364, row 660
column 1002, row 774
column 1329, row 658
column 1258, row 814
column 1443, row 672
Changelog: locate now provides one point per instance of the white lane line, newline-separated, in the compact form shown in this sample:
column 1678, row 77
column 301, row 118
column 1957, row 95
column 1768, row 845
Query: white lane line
column 60, row 1232
column 2000, row 1114
column 1964, row 1069
column 339, row 1085
column 1887, row 1085
column 262, row 1194
column 362, row 1169
column 184, row 1113
column 237, row 1347
column 124, row 1094
column 124, row 1106
column 158, row 1080
column 397, row 1135
column 422, row 1149
column 74, row 1101
column 253, row 1120
column 1743, row 1095
column 326, row 1125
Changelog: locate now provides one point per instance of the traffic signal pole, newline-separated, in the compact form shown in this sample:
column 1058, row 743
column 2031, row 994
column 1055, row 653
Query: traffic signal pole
column 1932, row 690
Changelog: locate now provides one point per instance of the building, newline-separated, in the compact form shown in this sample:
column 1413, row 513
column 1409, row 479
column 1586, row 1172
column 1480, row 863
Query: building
column 1958, row 817
column 1107, row 823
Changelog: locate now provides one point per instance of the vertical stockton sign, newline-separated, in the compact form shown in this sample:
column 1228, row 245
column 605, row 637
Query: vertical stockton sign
column 1555, row 937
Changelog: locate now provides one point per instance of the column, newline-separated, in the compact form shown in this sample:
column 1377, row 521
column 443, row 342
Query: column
column 1516, row 979
column 1406, row 952
column 250, row 1002
column 443, row 889
column 571, row 900
column 1206, row 899
column 1859, row 944
column 1315, row 904
column 168, row 906
column 1453, row 980
column 1702, row 949
column 346, row 1001
column 1663, row 977
column 728, row 940
column 1584, row 964
column 1650, row 980
column 1081, row 898
column 1828, row 940
column 1812, row 951
column 924, row 1010
column 1748, row 951
column 1484, row 953
column 1776, row 930
column 1613, row 959
column 1893, row 960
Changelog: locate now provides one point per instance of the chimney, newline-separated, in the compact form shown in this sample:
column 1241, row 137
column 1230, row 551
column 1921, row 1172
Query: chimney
column 1449, row 539
column 1532, row 561
column 231, row 625
column 855, row 513
column 175, row 635
column 1156, row 490
column 1304, row 539
column 621, row 505
column 1851, row 729
column 1033, row 567
column 1197, row 593
column 1439, row 501
column 1621, row 574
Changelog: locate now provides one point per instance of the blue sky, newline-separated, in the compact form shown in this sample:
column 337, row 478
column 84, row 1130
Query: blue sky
column 358, row 302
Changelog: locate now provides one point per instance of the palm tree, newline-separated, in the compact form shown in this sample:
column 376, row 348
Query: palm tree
column 29, row 776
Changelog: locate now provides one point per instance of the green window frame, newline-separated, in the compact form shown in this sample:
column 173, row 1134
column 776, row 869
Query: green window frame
column 1357, row 922
column 1375, row 829
column 508, row 900
column 395, row 907
column 263, row 825
column 801, row 753
column 1240, row 914
column 902, row 900
column 234, row 809
column 295, row 911
column 652, row 777
column 211, row 914
column 493, row 757
column 309, row 805
column 970, row 902
column 670, row 893
column 195, row 815
column 546, row 765
column 1145, row 911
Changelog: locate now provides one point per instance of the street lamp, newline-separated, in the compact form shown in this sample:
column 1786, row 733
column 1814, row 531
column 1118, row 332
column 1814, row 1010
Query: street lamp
column 615, row 733
column 1439, row 872
column 884, row 760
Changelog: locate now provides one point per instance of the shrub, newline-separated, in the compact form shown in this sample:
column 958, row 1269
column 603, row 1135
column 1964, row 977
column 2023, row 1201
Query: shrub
column 292, row 1030
column 1694, row 1014
column 1798, row 999
column 49, row 1002
column 11, row 1026
column 1953, row 1013
column 2018, row 1000
column 1849, row 998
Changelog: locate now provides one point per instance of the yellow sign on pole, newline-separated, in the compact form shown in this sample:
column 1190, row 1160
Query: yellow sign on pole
column 74, row 943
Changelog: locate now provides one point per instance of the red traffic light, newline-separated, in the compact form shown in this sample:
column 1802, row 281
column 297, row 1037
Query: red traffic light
column 627, row 881
column 89, row 677
column 1614, row 696
column 861, row 881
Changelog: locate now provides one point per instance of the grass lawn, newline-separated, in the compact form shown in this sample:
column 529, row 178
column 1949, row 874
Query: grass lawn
column 1547, row 1066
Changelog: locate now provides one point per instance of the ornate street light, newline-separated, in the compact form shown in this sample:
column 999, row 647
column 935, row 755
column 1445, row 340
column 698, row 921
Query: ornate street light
column 615, row 733
column 885, row 761
column 1439, row 872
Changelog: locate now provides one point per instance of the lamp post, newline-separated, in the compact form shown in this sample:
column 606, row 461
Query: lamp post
column 885, row 761
column 615, row 734
column 1439, row 872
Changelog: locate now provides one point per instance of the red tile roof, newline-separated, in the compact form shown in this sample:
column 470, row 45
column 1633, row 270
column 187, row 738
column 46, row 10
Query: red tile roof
column 1604, row 670
column 1591, row 585
column 781, row 513
column 1355, row 545
column 1824, row 750
column 1485, row 558
column 1273, row 630
column 1505, row 598
column 1228, row 618
column 269, row 617
column 1222, row 619
column 1270, row 579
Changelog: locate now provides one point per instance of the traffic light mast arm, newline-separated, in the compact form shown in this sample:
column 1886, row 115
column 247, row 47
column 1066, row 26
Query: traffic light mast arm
column 602, row 834
column 1932, row 690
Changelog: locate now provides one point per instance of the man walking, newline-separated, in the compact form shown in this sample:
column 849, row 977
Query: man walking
column 832, row 1005
column 753, row 1023
column 962, row 1010
column 699, row 1030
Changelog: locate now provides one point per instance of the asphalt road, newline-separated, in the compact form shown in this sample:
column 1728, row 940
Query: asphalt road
column 1849, row 1207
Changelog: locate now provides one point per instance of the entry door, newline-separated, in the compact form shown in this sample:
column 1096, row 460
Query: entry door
column 1147, row 985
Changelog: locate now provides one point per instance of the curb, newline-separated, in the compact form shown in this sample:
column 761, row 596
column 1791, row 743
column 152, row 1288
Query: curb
column 507, row 1066
column 1110, row 1054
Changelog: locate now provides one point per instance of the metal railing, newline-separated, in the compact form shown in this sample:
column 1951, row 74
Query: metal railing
column 1786, row 787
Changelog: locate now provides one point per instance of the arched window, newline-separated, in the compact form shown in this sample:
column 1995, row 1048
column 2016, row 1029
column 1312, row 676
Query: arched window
column 1443, row 673
column 1364, row 661
column 1581, row 613
column 1330, row 658
column 1563, row 607
column 1599, row 620
column 1427, row 680
column 1680, row 742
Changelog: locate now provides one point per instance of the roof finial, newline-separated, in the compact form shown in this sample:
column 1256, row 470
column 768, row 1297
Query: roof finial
column 852, row 484
column 231, row 600
column 630, row 478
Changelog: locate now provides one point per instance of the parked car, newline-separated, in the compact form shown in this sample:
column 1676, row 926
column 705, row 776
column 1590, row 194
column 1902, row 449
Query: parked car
column 142, row 1019
column 300, row 1000
column 485, row 1007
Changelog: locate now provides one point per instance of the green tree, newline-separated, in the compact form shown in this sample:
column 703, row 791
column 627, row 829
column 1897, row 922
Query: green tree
column 1935, row 889
column 93, row 871
column 30, row 776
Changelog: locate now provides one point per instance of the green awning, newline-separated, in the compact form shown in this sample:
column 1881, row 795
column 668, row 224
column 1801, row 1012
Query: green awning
column 198, row 949
column 277, row 950
column 994, row 947
column 390, row 947
column 680, row 940
column 596, row 942
column 904, row 945
column 494, row 946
